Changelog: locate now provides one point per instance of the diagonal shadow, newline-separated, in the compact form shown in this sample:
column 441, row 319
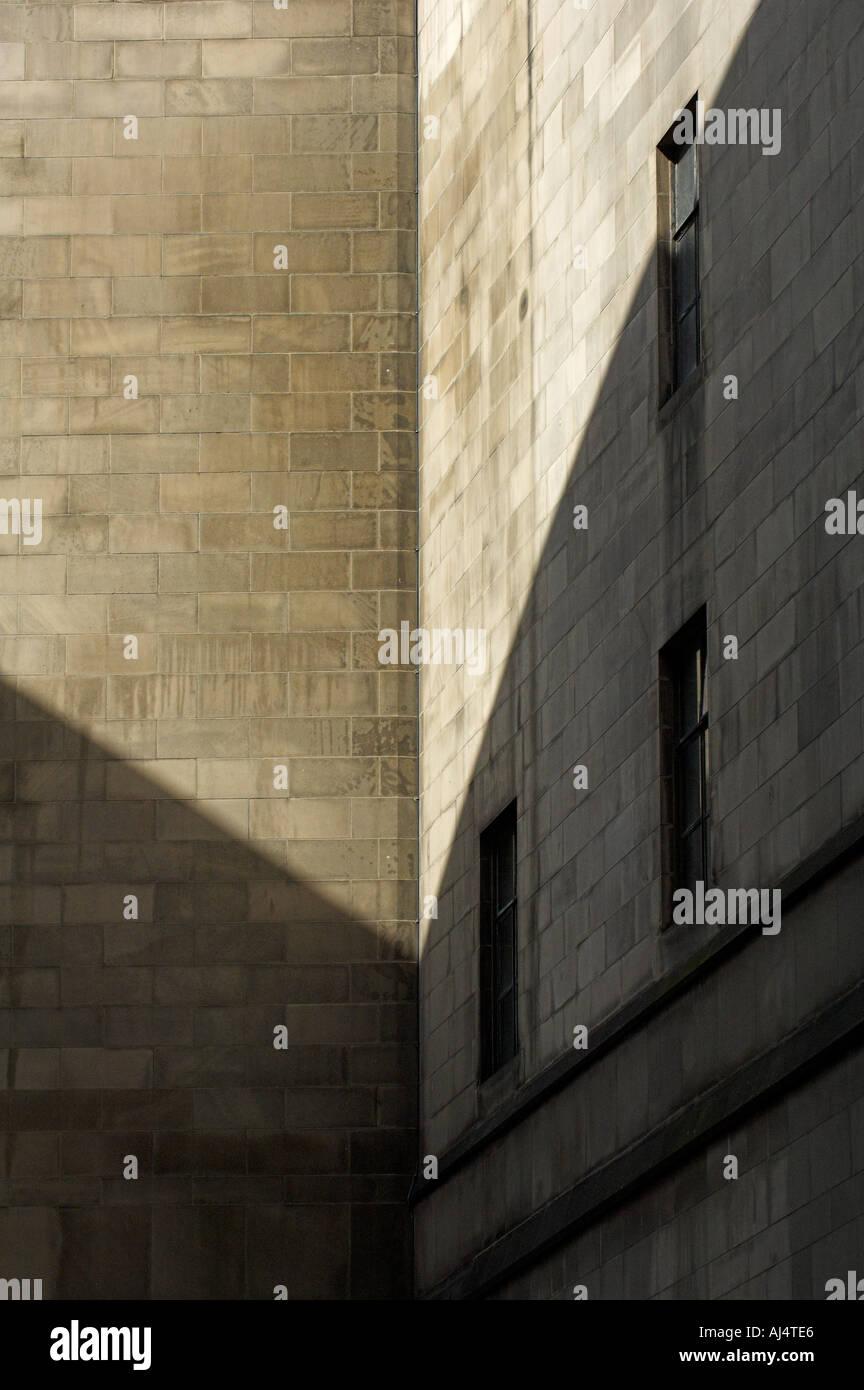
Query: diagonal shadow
column 153, row 1037
column 675, row 500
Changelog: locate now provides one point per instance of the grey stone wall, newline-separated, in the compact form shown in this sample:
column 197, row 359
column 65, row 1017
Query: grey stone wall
column 713, row 501
column 793, row 1219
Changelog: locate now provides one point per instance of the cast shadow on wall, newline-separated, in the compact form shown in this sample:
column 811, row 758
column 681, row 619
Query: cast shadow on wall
column 153, row 1038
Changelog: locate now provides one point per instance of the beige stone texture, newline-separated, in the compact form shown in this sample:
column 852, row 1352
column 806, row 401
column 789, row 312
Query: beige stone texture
column 166, row 650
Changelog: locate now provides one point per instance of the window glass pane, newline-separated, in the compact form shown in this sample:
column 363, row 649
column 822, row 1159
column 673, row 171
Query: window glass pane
column 504, row 952
column 684, row 183
column 684, row 666
column 684, row 271
column 506, row 1028
column 686, row 346
column 498, row 943
column 690, row 865
column 701, row 681
column 688, row 690
column 505, row 869
column 689, row 784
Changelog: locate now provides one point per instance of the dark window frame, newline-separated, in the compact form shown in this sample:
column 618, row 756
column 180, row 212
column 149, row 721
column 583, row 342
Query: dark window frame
column 499, row 981
column 677, row 232
column 684, row 657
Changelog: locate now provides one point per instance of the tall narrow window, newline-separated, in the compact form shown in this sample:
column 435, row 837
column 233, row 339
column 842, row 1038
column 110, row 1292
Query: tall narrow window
column 684, row 753
column 678, row 240
column 498, row 988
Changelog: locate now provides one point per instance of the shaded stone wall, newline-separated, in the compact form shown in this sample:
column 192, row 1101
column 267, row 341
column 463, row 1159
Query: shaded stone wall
column 792, row 1220
column 715, row 501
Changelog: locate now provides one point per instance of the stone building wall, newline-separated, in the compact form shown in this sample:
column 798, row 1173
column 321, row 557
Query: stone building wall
column 540, row 195
column 264, row 379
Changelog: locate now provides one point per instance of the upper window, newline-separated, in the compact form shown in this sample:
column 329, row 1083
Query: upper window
column 678, row 239
column 685, row 768
column 498, row 990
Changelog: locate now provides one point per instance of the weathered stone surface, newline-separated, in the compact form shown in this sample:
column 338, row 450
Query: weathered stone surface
column 264, row 897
